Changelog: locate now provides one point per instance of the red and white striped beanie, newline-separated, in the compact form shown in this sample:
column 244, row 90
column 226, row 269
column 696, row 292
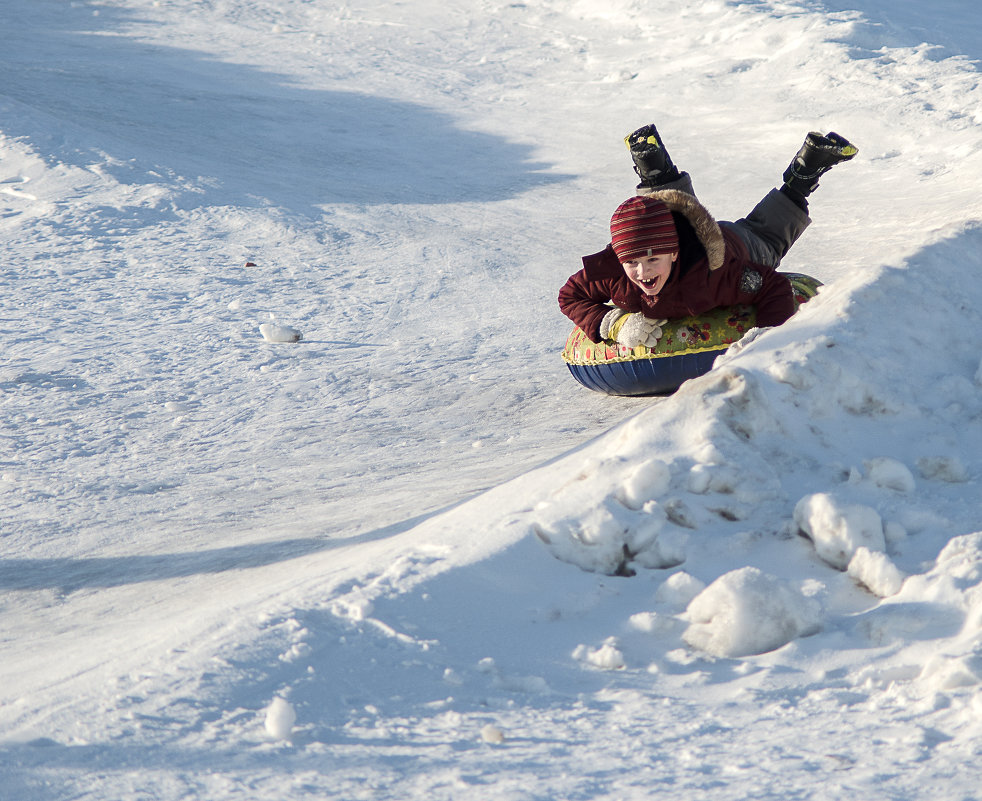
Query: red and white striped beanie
column 642, row 226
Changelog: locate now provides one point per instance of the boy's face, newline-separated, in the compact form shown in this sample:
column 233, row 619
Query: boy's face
column 650, row 272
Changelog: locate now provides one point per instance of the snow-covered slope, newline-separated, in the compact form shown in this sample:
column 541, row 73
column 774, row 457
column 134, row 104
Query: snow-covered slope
column 404, row 525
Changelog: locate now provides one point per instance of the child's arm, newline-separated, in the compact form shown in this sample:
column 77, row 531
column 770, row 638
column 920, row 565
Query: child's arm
column 774, row 300
column 585, row 303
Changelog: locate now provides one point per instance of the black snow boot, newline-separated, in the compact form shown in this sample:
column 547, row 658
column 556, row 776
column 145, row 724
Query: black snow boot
column 817, row 156
column 651, row 161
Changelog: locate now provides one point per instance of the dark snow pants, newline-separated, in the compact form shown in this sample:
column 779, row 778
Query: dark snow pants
column 769, row 230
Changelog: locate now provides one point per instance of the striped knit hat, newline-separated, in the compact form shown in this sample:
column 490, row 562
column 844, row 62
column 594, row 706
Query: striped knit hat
column 642, row 226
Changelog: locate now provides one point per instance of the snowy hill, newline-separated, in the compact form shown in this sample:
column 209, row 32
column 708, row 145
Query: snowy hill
column 376, row 563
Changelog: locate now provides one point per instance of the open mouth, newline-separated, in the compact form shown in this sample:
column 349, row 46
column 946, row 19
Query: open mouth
column 648, row 283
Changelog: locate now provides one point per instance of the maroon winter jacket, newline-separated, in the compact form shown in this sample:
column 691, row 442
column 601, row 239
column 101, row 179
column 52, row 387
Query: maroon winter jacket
column 713, row 269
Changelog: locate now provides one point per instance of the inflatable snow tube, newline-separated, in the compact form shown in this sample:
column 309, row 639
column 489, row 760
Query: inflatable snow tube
column 687, row 349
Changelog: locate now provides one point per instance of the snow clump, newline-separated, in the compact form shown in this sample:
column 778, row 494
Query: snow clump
column 679, row 589
column 609, row 518
column 876, row 572
column 273, row 332
column 609, row 537
column 280, row 717
column 838, row 529
column 492, row 734
column 747, row 611
column 648, row 481
column 890, row 474
column 607, row 657
column 943, row 468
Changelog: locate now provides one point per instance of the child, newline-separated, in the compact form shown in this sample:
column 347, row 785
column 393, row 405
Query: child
column 669, row 258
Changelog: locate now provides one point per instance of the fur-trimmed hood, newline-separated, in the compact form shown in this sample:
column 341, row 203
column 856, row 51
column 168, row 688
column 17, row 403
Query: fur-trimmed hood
column 711, row 271
column 703, row 223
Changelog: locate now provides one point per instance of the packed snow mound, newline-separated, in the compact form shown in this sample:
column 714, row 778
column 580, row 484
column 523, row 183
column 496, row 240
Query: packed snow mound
column 956, row 582
column 838, row 529
column 747, row 612
column 794, row 434
column 624, row 524
column 938, row 614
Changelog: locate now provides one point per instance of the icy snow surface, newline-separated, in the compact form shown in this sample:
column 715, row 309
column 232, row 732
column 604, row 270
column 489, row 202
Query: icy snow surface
column 298, row 498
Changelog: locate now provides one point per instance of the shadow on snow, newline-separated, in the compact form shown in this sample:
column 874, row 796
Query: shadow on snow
column 67, row 574
column 239, row 135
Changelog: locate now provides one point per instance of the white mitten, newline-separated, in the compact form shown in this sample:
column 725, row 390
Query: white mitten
column 630, row 329
column 747, row 338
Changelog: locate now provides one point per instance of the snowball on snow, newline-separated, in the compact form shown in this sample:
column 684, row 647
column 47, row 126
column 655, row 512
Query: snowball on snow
column 890, row 474
column 943, row 468
column 838, row 529
column 272, row 332
column 679, row 589
column 492, row 734
column 748, row 612
column 280, row 717
column 647, row 481
column 876, row 572
column 649, row 622
column 607, row 657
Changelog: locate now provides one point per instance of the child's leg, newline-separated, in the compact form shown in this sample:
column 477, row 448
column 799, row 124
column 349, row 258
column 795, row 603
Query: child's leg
column 683, row 183
column 771, row 228
column 779, row 219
